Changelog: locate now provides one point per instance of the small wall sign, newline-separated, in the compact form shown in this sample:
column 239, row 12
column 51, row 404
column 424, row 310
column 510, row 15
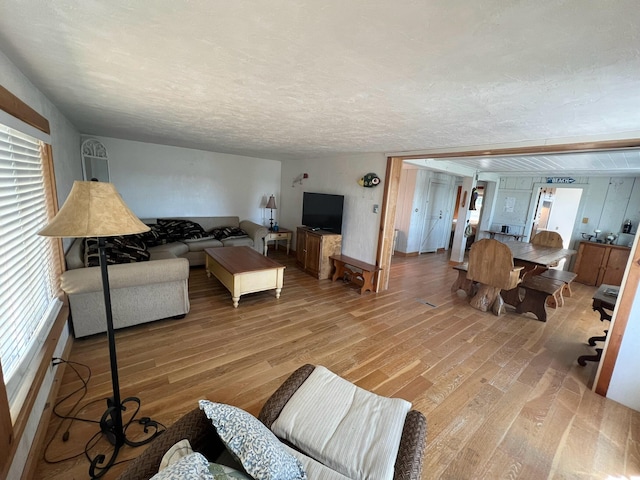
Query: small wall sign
column 560, row 180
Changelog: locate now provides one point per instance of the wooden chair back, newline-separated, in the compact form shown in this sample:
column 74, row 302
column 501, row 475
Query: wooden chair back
column 491, row 263
column 548, row 238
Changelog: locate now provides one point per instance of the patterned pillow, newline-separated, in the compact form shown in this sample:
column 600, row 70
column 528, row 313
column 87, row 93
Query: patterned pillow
column 179, row 229
column 233, row 232
column 191, row 467
column 127, row 249
column 256, row 447
column 217, row 233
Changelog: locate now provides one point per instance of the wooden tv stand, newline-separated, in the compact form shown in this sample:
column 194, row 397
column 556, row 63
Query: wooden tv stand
column 313, row 249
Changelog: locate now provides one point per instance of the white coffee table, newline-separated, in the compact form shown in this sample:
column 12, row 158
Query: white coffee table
column 242, row 270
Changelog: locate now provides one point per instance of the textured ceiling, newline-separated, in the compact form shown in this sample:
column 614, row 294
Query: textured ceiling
column 281, row 79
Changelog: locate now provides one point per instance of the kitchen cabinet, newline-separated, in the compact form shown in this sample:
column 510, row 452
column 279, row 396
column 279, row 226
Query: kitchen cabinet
column 599, row 263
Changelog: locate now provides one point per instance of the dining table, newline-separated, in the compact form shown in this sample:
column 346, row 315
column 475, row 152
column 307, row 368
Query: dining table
column 537, row 257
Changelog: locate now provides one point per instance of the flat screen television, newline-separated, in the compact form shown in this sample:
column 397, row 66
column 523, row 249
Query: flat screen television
column 322, row 211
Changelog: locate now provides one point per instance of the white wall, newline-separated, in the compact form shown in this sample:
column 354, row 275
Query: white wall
column 65, row 142
column 164, row 181
column 624, row 386
column 338, row 175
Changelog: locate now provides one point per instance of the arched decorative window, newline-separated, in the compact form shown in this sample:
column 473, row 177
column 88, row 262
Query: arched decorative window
column 95, row 162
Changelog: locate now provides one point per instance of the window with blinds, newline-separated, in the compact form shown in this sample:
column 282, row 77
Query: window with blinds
column 28, row 270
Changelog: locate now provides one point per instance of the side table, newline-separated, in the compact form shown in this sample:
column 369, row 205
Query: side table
column 281, row 234
column 604, row 299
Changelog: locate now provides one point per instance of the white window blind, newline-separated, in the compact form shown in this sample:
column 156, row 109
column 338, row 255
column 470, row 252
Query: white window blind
column 28, row 284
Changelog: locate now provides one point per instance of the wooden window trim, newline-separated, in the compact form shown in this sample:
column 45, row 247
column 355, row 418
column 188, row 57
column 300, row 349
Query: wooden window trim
column 16, row 107
column 11, row 433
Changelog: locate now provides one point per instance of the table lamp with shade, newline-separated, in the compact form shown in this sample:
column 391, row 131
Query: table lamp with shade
column 95, row 209
column 271, row 204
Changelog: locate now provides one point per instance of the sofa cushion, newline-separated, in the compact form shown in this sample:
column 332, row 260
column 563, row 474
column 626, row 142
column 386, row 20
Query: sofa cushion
column 190, row 467
column 345, row 427
column 315, row 470
column 117, row 249
column 200, row 245
column 75, row 255
column 237, row 242
column 256, row 447
column 176, row 248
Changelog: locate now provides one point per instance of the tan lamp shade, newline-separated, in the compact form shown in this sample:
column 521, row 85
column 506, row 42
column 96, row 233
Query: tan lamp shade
column 271, row 203
column 93, row 209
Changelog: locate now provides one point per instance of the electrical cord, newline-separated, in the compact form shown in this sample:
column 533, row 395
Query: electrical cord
column 71, row 417
column 68, row 415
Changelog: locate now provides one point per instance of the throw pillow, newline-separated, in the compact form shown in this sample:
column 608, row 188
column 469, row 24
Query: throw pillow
column 175, row 453
column 222, row 472
column 233, row 232
column 255, row 446
column 217, row 233
column 117, row 249
column 180, row 229
column 191, row 467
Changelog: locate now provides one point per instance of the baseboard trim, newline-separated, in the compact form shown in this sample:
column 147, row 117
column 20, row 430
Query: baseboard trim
column 35, row 453
column 405, row 254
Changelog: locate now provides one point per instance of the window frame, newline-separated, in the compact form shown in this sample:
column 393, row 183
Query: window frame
column 11, row 432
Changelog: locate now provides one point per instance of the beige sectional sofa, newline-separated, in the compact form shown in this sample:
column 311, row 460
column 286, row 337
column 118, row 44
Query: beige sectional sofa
column 193, row 250
column 145, row 291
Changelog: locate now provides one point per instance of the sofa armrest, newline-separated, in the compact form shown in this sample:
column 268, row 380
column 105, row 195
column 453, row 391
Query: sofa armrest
column 256, row 232
column 125, row 275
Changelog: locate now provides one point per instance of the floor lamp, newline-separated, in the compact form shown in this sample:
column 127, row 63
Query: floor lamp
column 95, row 209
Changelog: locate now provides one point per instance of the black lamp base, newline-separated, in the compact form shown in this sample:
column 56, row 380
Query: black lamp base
column 116, row 434
column 111, row 424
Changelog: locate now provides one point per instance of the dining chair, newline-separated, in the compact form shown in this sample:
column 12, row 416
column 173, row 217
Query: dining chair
column 548, row 238
column 491, row 266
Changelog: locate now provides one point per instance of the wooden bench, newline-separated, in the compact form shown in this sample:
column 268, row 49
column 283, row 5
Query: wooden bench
column 561, row 275
column 365, row 278
column 537, row 290
column 462, row 282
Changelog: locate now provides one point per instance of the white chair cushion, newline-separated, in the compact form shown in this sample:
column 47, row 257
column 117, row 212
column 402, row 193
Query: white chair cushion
column 349, row 429
column 315, row 470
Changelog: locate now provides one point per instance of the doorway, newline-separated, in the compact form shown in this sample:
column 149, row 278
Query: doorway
column 434, row 227
column 556, row 210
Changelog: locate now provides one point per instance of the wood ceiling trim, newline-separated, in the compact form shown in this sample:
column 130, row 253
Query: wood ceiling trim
column 534, row 150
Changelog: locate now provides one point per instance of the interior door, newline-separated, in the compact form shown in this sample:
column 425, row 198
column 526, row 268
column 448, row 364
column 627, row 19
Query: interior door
column 437, row 211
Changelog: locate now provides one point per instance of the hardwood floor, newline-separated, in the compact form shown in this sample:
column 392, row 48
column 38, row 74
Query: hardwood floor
column 504, row 396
